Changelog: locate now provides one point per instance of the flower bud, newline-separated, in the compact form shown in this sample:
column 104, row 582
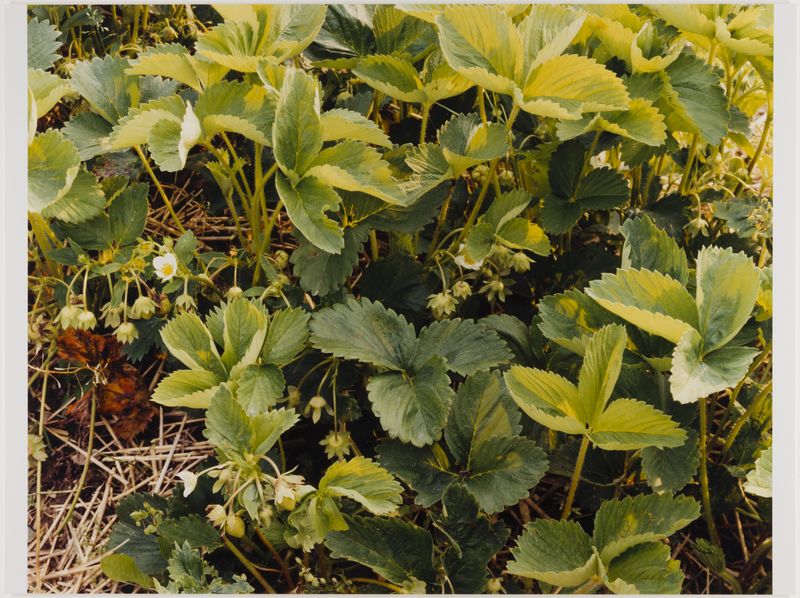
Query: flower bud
column 234, row 293
column 126, row 333
column 234, row 526
column 86, row 320
column 143, row 308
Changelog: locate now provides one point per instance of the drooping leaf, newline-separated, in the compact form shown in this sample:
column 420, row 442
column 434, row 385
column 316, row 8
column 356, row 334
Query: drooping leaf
column 365, row 482
column 123, row 568
column 307, row 204
column 644, row 569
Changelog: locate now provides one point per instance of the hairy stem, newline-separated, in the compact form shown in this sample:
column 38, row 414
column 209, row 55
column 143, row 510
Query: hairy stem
column 576, row 476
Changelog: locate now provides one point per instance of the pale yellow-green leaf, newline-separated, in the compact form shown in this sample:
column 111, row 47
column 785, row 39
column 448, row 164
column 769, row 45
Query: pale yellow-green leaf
column 346, row 124
column 685, row 17
column 190, row 342
column 365, row 482
column 135, row 127
column 48, row 89
column 167, row 60
column 654, row 302
column 391, row 75
column 653, row 64
column 642, row 122
column 53, row 164
column 630, row 425
column 547, row 32
column 187, row 388
column 602, row 363
column 244, row 331
column 547, row 398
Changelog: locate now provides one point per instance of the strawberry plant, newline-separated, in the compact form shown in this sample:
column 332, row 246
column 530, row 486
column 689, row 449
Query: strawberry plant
column 455, row 299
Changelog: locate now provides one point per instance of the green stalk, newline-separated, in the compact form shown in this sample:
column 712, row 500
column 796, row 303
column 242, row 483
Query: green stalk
column 426, row 112
column 440, row 222
column 576, row 476
column 704, row 489
column 373, row 245
column 751, row 408
column 161, row 191
column 248, row 565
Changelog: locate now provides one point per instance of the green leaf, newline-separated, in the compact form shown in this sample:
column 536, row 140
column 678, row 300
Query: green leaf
column 571, row 318
column 482, row 409
column 237, row 107
column 466, row 142
column 268, row 427
column 83, row 200
column 474, row 540
column 417, row 467
column 621, row 524
column 167, row 60
column 519, row 233
column 602, row 189
column 759, row 479
column 629, row 425
column 547, row 398
column 287, row 334
column 243, row 333
column 42, row 44
column 187, row 388
column 366, row 331
column 654, row 302
column 464, row 345
column 555, row 552
column 322, row 273
column 227, row 426
column 694, row 100
column 48, row 89
column 89, row 133
column 670, row 469
column 190, row 342
column 651, row 248
column 123, row 568
column 644, row 569
column 559, row 215
column 365, row 482
column 127, row 214
column 128, row 539
column 641, row 122
column 105, row 85
column 53, row 164
column 600, row 371
column 136, row 126
column 307, row 204
column 727, row 288
column 297, row 133
column 396, row 550
column 694, row 375
column 391, row 75
column 193, row 529
column 412, row 408
column 346, row 124
column 260, row 387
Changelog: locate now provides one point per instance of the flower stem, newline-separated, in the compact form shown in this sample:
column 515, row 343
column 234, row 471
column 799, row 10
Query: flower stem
column 576, row 476
column 248, row 565
column 426, row 112
column 704, row 490
column 751, row 408
column 161, row 191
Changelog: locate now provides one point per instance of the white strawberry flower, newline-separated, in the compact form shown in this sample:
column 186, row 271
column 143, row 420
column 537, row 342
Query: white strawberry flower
column 166, row 266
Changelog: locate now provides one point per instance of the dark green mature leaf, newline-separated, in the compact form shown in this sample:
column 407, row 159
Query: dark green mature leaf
column 123, row 568
column 645, row 569
column 565, row 167
column 127, row 214
column 366, row 331
column 465, row 346
column 128, row 539
column 42, row 44
column 320, row 272
column 414, row 407
column 397, row 281
column 417, row 467
column 559, row 215
column 621, row 524
column 647, row 246
column 89, row 133
column 193, row 529
column 556, row 552
column 602, row 189
column 474, row 540
column 670, row 469
column 399, row 551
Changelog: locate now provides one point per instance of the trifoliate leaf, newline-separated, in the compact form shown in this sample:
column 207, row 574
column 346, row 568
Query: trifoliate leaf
column 414, row 407
column 474, row 540
column 559, row 215
column 620, row 524
column 546, row 398
column 190, row 342
column 417, row 467
column 260, row 387
column 651, row 248
column 650, row 300
column 237, row 107
column 399, row 551
column 366, row 331
column 187, row 388
column 464, row 345
column 555, row 552
column 105, row 85
column 243, row 334
column 365, row 482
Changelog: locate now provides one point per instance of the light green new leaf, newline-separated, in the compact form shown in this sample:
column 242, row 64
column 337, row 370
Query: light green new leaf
column 620, row 524
column 187, row 388
column 602, row 363
column 297, row 133
column 237, row 107
column 366, row 331
column 644, row 569
column 84, row 200
column 547, row 398
column 650, row 300
column 228, row 428
column 42, row 44
column 651, row 248
column 53, row 164
column 464, row 345
column 759, row 480
column 365, row 482
column 260, row 387
column 394, row 549
column 642, row 122
column 555, row 552
column 167, row 60
column 190, row 342
column 548, row 31
column 467, row 142
column 482, row 409
column 106, row 86
column 48, row 89
column 391, row 75
column 269, row 426
column 412, row 408
column 286, row 336
column 346, row 124
column 244, row 331
column 307, row 204
column 629, row 425
column 135, row 127
column 694, row 375
column 727, row 288
column 571, row 318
